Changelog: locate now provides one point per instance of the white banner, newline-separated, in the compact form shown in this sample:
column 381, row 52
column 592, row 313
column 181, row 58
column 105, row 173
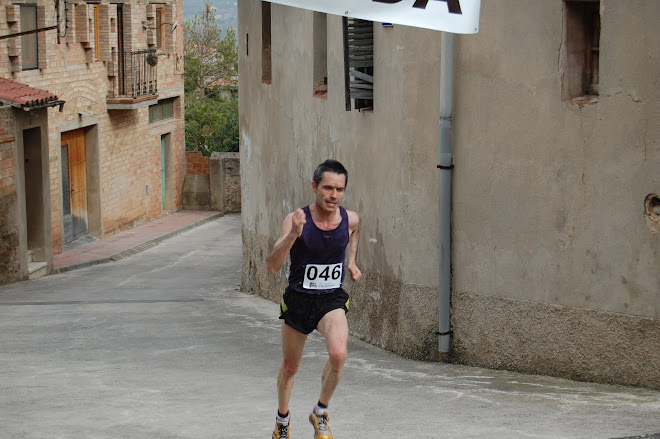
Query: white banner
column 455, row 16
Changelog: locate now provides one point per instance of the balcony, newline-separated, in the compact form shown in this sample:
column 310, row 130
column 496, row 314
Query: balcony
column 134, row 81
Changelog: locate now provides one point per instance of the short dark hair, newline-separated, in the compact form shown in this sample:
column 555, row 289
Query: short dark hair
column 329, row 166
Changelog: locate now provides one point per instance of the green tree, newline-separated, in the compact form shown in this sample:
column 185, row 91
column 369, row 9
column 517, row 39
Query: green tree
column 209, row 56
column 212, row 125
column 210, row 60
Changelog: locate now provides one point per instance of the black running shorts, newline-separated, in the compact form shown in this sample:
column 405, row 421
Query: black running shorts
column 303, row 311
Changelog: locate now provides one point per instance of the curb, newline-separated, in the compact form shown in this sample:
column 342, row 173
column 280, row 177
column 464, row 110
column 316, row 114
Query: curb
column 138, row 248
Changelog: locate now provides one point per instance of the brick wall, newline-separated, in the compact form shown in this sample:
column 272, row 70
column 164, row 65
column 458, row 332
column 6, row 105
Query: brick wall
column 128, row 145
column 9, row 261
column 196, row 163
column 7, row 153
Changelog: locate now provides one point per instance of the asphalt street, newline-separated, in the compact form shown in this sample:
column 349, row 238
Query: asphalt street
column 163, row 344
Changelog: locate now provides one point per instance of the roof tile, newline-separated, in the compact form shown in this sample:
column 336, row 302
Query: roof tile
column 24, row 94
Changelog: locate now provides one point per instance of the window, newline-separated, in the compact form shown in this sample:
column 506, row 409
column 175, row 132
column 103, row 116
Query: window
column 320, row 32
column 581, row 48
column 29, row 42
column 97, row 45
column 159, row 26
column 266, row 67
column 162, row 110
column 359, row 63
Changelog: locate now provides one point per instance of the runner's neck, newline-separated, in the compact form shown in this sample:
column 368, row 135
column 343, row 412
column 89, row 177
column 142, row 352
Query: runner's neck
column 325, row 220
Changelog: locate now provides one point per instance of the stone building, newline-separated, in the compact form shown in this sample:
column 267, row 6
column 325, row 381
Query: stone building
column 555, row 253
column 91, row 123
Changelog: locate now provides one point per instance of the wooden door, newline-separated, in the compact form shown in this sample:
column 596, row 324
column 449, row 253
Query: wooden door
column 73, row 145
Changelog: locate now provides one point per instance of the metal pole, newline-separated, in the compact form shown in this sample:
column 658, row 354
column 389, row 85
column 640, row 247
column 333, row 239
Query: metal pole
column 445, row 166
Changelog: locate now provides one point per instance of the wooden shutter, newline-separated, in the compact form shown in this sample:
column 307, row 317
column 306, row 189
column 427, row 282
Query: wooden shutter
column 29, row 43
column 359, row 63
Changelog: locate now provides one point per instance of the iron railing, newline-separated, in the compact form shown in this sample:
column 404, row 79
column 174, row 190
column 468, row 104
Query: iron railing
column 136, row 73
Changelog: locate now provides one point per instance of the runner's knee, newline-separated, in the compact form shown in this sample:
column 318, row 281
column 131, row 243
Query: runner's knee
column 289, row 368
column 337, row 356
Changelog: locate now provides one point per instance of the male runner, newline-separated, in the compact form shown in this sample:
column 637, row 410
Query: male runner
column 316, row 237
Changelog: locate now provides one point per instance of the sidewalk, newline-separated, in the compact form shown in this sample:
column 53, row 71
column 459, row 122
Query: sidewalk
column 131, row 241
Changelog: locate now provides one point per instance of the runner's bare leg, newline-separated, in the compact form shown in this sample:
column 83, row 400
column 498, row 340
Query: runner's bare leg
column 334, row 328
column 293, row 343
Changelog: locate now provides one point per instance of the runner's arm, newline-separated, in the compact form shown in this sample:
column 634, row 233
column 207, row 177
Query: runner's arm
column 291, row 230
column 353, row 239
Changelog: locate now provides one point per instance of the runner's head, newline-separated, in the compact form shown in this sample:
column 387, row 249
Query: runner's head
column 329, row 185
column 329, row 166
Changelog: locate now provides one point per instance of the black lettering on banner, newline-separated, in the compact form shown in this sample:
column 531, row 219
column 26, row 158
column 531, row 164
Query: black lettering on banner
column 454, row 6
column 336, row 272
column 325, row 274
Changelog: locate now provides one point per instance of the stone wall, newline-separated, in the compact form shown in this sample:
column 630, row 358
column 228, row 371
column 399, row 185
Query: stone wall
column 10, row 267
column 540, row 338
column 213, row 183
column 225, row 181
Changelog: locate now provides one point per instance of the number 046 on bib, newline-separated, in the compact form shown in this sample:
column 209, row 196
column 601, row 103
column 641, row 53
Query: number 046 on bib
column 322, row 277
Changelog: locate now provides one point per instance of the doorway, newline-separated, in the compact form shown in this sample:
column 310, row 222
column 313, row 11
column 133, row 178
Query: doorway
column 166, row 171
column 74, row 185
column 34, row 195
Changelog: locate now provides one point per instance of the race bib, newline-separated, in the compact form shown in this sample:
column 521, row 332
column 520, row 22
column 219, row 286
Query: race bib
column 322, row 277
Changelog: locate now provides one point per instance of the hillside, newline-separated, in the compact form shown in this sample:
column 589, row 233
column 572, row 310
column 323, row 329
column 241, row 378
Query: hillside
column 225, row 15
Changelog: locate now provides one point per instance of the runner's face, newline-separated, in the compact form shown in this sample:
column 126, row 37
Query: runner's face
column 330, row 191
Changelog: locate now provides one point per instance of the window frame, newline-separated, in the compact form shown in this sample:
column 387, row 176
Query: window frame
column 161, row 107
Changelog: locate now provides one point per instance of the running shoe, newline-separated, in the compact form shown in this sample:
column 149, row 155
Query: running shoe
column 281, row 431
column 321, row 427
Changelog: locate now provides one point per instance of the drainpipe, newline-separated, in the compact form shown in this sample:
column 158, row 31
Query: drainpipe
column 445, row 166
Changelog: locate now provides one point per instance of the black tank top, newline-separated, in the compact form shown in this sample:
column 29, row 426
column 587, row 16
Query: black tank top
column 317, row 256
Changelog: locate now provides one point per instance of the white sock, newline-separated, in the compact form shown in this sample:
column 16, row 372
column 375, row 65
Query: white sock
column 283, row 421
column 319, row 411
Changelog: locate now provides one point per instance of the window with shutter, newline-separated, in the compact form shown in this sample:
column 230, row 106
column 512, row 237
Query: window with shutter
column 160, row 13
column 29, row 42
column 359, row 63
column 97, row 45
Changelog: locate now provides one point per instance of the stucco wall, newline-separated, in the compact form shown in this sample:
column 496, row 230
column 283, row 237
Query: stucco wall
column 548, row 196
column 553, row 193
